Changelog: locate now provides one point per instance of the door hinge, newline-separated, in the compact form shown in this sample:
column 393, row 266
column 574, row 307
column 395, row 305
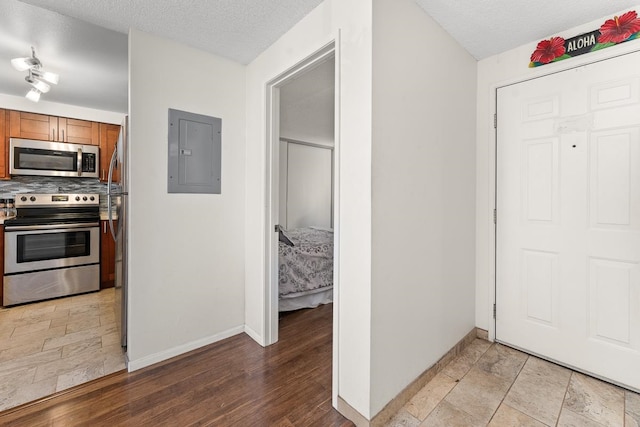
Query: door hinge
column 495, row 121
column 495, row 216
column 494, row 311
column 276, row 228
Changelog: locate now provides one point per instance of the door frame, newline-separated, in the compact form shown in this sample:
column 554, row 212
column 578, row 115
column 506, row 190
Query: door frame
column 538, row 72
column 272, row 168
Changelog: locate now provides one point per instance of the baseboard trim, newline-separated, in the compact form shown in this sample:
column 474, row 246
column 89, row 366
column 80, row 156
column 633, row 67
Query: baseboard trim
column 134, row 365
column 352, row 414
column 483, row 334
column 254, row 335
column 391, row 408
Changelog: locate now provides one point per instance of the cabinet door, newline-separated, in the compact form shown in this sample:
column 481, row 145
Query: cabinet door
column 108, row 139
column 107, row 256
column 33, row 126
column 1, row 259
column 4, row 145
column 78, row 131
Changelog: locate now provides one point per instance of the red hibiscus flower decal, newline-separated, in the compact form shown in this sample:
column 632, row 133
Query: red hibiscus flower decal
column 617, row 30
column 548, row 50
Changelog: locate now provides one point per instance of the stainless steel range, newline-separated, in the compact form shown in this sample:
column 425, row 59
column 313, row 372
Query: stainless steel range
column 52, row 247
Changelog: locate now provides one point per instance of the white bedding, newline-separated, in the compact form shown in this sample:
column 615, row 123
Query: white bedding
column 306, row 268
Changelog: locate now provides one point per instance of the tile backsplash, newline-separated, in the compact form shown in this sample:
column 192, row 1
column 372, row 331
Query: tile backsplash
column 50, row 184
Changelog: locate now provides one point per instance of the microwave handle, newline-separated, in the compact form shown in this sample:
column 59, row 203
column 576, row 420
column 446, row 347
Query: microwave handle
column 79, row 161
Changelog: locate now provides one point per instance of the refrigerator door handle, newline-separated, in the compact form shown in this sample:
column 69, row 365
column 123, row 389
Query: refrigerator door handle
column 109, row 182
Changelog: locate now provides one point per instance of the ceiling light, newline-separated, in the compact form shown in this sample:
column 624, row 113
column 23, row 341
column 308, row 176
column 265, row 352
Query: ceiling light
column 47, row 76
column 38, row 84
column 22, row 64
column 33, row 95
column 36, row 77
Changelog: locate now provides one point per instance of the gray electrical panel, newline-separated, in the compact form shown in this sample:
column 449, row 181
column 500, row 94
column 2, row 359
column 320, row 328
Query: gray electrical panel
column 194, row 153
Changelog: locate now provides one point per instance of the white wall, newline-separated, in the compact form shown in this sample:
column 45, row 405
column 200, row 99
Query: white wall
column 186, row 251
column 499, row 70
column 423, row 261
column 350, row 20
column 21, row 103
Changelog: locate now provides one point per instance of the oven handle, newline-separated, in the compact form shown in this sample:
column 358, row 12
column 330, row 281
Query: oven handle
column 50, row 227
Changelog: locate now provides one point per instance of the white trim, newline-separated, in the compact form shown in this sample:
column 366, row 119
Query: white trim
column 254, row 335
column 350, row 413
column 335, row 220
column 272, row 184
column 542, row 71
column 330, row 49
column 134, row 365
column 272, row 193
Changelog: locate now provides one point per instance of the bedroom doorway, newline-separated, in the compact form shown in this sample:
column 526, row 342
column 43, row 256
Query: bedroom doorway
column 302, row 151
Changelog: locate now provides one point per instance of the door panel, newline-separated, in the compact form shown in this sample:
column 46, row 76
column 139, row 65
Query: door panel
column 568, row 229
column 309, row 186
column 614, row 179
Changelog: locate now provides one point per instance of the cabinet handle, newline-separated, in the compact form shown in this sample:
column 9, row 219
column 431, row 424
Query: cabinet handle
column 104, row 227
column 53, row 134
column 63, row 135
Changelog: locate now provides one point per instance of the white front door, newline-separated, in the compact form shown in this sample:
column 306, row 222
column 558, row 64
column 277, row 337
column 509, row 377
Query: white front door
column 568, row 218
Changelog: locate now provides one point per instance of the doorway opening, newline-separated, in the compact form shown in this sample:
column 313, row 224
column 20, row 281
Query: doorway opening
column 302, row 151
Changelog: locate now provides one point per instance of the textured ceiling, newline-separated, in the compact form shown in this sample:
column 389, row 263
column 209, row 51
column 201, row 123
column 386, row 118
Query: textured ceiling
column 236, row 29
column 85, row 40
column 488, row 27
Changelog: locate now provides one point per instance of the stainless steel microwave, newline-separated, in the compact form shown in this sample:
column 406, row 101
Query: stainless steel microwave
column 47, row 158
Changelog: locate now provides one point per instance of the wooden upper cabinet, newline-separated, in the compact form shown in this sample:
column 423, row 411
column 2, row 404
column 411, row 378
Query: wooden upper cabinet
column 4, row 145
column 107, row 255
column 52, row 128
column 108, row 139
column 78, row 131
column 33, row 126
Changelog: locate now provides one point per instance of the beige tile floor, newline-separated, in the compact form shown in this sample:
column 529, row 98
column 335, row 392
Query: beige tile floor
column 49, row 346
column 493, row 385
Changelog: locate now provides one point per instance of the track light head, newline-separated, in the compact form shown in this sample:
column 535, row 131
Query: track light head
column 36, row 77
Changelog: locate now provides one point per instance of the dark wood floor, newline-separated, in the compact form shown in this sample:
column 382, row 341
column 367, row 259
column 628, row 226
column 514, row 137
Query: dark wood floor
column 235, row 382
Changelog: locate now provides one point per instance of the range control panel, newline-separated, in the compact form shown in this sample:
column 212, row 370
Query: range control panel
column 33, row 199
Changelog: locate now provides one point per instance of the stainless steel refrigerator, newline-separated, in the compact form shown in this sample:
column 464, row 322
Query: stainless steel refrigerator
column 117, row 195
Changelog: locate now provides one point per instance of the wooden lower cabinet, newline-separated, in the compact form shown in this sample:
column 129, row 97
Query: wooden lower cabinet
column 107, row 256
column 1, row 262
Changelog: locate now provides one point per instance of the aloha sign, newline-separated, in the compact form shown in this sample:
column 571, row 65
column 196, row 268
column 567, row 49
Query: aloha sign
column 613, row 31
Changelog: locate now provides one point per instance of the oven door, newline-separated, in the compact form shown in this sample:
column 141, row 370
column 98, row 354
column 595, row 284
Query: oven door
column 43, row 247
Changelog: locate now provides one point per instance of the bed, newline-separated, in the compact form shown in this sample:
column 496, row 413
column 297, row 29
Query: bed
column 305, row 268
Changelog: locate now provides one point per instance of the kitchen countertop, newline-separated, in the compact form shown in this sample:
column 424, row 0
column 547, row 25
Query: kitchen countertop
column 104, row 215
column 2, row 218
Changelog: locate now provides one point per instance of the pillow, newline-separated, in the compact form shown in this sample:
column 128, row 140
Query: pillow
column 284, row 239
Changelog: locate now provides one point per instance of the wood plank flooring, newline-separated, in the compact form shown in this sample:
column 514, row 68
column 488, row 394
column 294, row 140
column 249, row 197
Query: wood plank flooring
column 234, row 382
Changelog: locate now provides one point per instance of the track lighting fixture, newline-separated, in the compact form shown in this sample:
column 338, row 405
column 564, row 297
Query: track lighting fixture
column 37, row 77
